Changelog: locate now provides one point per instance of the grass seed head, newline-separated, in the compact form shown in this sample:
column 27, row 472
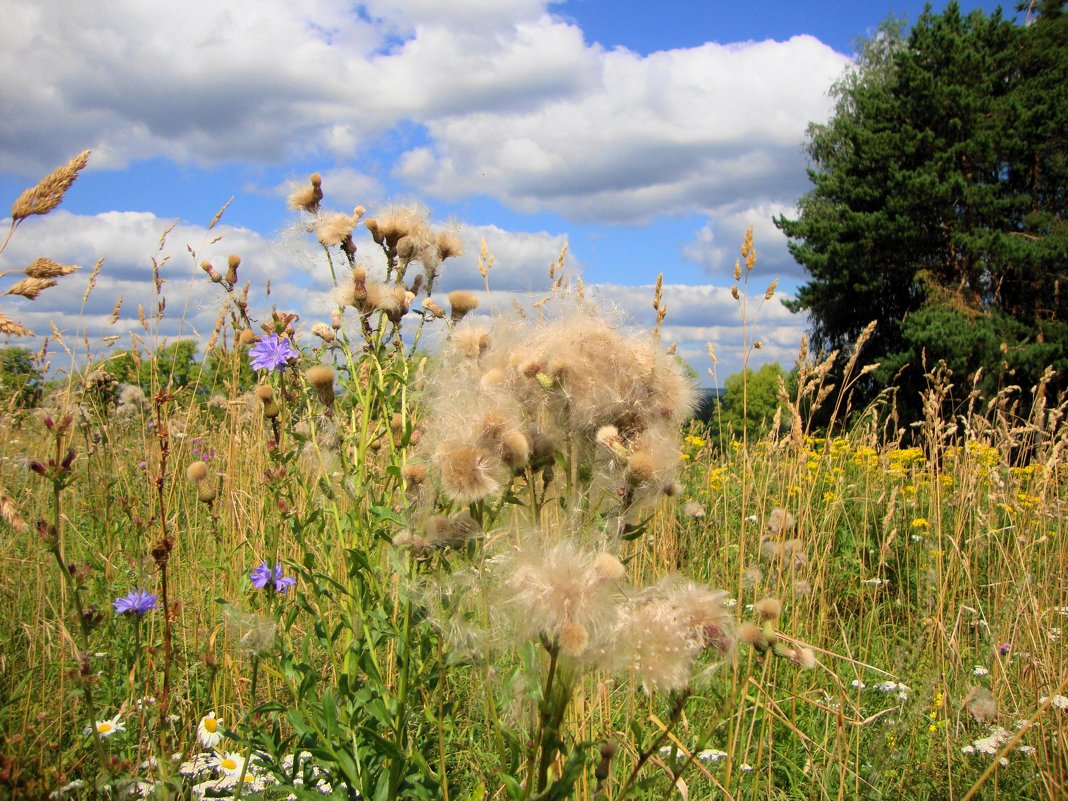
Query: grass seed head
column 49, row 191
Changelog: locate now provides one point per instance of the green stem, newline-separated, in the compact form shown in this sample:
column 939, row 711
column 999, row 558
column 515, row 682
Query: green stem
column 83, row 627
column 678, row 703
column 251, row 705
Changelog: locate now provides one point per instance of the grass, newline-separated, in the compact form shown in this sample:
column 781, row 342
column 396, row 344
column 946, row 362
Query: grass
column 925, row 570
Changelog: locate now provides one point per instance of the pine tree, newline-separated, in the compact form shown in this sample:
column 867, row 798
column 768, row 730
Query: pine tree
column 939, row 200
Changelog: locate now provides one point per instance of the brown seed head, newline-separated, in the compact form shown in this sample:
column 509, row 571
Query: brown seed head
column 30, row 288
column 46, row 268
column 9, row 327
column 449, row 245
column 768, row 608
column 49, row 191
column 461, row 303
column 197, row 471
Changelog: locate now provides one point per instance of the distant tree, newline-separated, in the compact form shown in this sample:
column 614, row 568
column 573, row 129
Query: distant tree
column 939, row 200
column 749, row 402
column 221, row 368
column 175, row 364
column 21, row 380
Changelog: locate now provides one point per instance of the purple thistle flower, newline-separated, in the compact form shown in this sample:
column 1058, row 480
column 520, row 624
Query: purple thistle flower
column 271, row 353
column 136, row 602
column 262, row 576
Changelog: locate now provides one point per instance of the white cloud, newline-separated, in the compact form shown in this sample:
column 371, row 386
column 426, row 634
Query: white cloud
column 514, row 103
column 718, row 243
column 671, row 132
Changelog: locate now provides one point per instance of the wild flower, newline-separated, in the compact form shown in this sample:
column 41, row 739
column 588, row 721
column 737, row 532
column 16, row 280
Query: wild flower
column 271, row 353
column 263, row 575
column 208, row 732
column 107, row 727
column 229, row 763
column 136, row 602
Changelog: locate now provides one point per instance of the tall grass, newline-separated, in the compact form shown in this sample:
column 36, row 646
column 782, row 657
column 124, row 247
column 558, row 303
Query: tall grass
column 349, row 601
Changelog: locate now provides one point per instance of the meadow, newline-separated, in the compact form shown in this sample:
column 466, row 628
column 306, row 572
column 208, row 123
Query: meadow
column 515, row 567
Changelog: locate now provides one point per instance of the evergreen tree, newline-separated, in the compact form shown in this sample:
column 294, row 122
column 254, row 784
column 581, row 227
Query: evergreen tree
column 939, row 199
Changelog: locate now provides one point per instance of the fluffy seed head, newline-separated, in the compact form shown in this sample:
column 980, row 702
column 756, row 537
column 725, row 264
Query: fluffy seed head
column 573, row 638
column 324, row 332
column 196, row 471
column 333, row 228
column 449, row 245
column 751, row 634
column 264, row 392
column 468, row 474
column 515, row 449
column 247, row 337
column 768, row 608
column 414, row 473
column 306, row 198
column 780, row 521
column 461, row 303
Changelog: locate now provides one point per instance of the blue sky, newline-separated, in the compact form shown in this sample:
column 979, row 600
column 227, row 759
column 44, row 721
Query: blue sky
column 646, row 136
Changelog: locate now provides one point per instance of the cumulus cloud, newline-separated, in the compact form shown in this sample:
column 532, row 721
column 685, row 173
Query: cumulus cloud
column 717, row 244
column 515, row 104
column 666, row 133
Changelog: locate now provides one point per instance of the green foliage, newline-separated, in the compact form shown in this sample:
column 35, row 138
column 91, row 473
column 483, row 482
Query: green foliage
column 21, row 380
column 940, row 189
column 749, row 402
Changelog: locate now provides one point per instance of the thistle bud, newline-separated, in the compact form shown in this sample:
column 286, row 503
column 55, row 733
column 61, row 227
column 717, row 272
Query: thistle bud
column 233, row 262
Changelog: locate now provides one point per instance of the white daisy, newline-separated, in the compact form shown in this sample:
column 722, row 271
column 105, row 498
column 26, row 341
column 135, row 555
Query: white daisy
column 229, row 764
column 208, row 731
column 108, row 727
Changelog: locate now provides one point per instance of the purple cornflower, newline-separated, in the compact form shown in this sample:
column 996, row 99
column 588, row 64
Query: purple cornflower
column 271, row 353
column 136, row 602
column 1004, row 648
column 262, row 576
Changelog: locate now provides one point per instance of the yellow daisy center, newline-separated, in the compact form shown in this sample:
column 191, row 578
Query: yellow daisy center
column 105, row 727
column 228, row 763
column 211, row 725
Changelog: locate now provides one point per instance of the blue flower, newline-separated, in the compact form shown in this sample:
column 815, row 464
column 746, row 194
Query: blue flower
column 262, row 576
column 271, row 353
column 136, row 602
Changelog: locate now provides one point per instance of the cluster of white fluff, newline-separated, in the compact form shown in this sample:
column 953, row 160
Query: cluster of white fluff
column 515, row 399
column 563, row 405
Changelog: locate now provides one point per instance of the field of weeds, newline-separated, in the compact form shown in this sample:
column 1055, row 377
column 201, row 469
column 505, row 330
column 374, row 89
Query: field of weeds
column 515, row 568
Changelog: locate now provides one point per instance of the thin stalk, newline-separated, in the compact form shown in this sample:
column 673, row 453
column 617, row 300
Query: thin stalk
column 678, row 703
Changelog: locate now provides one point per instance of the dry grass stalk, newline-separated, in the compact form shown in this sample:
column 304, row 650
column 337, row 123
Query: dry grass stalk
column 115, row 311
column 10, row 513
column 9, row 327
column 49, row 191
column 92, row 279
column 46, row 268
column 30, row 288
